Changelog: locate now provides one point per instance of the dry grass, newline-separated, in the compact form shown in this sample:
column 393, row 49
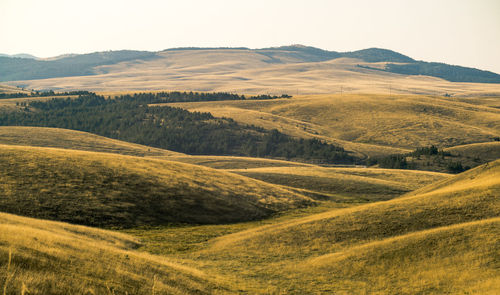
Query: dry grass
column 232, row 162
column 457, row 259
column 111, row 190
column 416, row 241
column 247, row 72
column 56, row 258
column 76, row 140
column 371, row 125
column 358, row 184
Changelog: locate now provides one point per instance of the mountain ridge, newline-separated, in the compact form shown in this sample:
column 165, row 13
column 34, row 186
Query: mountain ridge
column 16, row 67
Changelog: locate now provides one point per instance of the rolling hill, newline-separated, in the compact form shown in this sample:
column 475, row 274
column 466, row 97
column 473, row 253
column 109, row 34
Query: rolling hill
column 75, row 140
column 371, row 125
column 110, row 190
column 442, row 238
column 287, row 69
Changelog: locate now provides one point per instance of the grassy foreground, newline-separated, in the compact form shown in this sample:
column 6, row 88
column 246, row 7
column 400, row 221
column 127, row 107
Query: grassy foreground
column 43, row 257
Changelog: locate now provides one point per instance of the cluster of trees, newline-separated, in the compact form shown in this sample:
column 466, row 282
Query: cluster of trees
column 424, row 158
column 176, row 96
column 429, row 151
column 129, row 118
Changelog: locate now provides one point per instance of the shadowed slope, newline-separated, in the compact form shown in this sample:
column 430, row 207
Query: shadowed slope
column 43, row 257
column 110, row 190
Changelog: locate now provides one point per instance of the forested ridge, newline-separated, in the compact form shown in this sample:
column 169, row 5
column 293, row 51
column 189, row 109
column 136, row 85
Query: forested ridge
column 131, row 118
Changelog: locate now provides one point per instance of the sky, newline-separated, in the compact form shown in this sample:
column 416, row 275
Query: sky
column 461, row 32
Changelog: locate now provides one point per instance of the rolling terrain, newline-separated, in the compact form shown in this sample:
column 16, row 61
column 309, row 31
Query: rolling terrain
column 341, row 184
column 227, row 224
column 288, row 69
column 110, row 190
column 370, row 125
column 417, row 243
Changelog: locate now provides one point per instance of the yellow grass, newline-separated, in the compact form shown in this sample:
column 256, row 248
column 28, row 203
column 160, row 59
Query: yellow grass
column 370, row 125
column 76, row 140
column 416, row 241
column 111, row 190
column 457, row 259
column 46, row 257
column 247, row 72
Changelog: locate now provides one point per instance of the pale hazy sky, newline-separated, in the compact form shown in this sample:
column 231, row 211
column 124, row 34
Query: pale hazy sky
column 463, row 32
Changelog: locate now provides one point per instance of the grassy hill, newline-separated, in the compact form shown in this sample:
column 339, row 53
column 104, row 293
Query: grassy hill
column 109, row 190
column 486, row 151
column 44, row 257
column 439, row 239
column 76, row 140
column 371, row 125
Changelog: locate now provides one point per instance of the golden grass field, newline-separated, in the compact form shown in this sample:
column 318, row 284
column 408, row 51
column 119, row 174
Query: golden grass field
column 417, row 243
column 368, row 124
column 244, row 71
column 441, row 239
column 275, row 227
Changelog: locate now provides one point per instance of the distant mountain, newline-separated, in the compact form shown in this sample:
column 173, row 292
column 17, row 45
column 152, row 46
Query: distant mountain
column 24, row 67
column 12, row 69
column 19, row 55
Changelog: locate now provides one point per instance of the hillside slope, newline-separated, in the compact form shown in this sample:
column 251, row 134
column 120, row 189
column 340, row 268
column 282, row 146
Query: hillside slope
column 44, row 257
column 109, row 190
column 442, row 238
column 368, row 124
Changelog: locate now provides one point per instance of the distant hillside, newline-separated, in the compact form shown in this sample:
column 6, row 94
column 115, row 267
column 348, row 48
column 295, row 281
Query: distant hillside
column 14, row 68
column 441, row 70
column 20, row 55
column 77, row 65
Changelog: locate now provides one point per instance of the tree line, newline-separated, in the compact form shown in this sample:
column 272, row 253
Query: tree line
column 130, row 118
